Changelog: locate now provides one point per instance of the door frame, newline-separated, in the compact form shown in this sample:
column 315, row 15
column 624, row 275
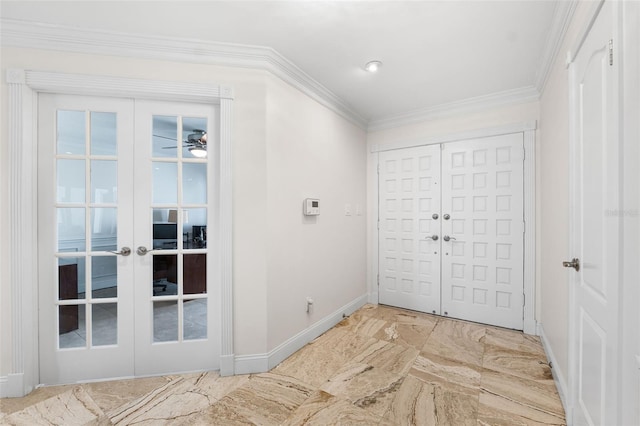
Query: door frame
column 23, row 89
column 529, row 135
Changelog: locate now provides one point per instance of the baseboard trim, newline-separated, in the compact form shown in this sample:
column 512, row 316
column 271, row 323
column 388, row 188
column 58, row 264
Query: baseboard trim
column 12, row 386
column 226, row 365
column 558, row 377
column 260, row 363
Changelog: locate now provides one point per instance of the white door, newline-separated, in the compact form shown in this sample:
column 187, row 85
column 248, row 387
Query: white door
column 595, row 226
column 409, row 182
column 482, row 230
column 451, row 229
column 109, row 186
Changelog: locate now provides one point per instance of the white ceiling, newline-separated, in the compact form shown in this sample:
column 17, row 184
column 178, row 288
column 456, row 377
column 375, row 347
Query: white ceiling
column 433, row 52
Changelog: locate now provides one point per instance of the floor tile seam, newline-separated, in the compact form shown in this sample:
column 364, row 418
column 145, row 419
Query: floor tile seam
column 528, row 405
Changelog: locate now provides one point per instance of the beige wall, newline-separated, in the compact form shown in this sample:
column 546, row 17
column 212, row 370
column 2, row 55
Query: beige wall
column 269, row 117
column 311, row 154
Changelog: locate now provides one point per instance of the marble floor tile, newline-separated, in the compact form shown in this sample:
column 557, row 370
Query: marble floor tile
column 498, row 410
column 72, row 407
column 111, row 395
column 458, row 340
column 365, row 386
column 319, row 360
column 325, row 409
column 380, row 366
column 265, row 399
column 419, row 403
column 447, row 373
column 389, row 357
column 539, row 396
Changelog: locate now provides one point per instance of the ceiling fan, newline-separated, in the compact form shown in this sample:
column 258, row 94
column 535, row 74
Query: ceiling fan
column 196, row 142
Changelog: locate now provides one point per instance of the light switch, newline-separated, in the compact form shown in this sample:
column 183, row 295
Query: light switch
column 347, row 209
column 358, row 209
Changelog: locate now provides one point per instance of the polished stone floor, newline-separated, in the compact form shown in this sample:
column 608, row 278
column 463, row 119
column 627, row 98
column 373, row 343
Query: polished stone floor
column 380, row 366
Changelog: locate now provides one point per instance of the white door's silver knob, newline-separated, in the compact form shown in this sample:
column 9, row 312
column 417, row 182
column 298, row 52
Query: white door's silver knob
column 124, row 251
column 142, row 250
column 434, row 237
column 574, row 263
column 447, row 238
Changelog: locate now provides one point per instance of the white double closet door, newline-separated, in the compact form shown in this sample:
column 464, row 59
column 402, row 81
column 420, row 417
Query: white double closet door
column 451, row 229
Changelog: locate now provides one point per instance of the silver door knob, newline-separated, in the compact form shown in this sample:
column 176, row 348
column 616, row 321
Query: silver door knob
column 574, row 263
column 124, row 251
column 142, row 250
column 434, row 237
column 446, row 217
column 447, row 238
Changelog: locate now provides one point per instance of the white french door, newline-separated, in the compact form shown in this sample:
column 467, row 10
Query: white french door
column 451, row 229
column 409, row 183
column 125, row 282
column 595, row 228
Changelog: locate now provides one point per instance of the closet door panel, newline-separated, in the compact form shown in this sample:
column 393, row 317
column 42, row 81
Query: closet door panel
column 482, row 248
column 409, row 228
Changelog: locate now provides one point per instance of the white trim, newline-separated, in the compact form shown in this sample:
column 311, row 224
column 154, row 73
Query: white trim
column 528, row 130
column 558, row 376
column 23, row 88
column 34, row 35
column 12, row 385
column 259, row 363
column 453, row 137
column 493, row 100
column 584, row 31
column 530, row 232
column 562, row 16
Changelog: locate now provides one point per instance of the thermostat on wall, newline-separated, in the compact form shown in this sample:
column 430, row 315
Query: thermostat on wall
column 311, row 207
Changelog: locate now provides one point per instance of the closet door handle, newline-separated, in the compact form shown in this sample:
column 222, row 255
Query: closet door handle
column 447, row 238
column 434, row 237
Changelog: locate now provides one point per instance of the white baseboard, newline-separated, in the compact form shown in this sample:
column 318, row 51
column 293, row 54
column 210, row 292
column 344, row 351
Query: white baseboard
column 12, row 385
column 226, row 365
column 558, row 377
column 260, row 363
column 373, row 297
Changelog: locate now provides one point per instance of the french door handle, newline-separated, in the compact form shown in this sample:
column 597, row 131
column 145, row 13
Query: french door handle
column 434, row 237
column 447, row 238
column 142, row 250
column 574, row 263
column 124, row 251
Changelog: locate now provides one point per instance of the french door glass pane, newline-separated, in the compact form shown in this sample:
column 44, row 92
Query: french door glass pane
column 165, row 275
column 71, row 229
column 104, row 228
column 194, row 273
column 72, row 332
column 103, row 133
column 193, row 129
column 165, row 141
column 165, row 321
column 71, row 181
column 104, row 277
column 195, row 228
column 71, row 129
column 104, row 181
column 165, row 183
column 71, row 281
column 194, row 183
column 195, row 319
column 104, row 320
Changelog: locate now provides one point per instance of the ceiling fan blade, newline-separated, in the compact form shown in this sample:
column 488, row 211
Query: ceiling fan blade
column 174, row 147
column 164, row 137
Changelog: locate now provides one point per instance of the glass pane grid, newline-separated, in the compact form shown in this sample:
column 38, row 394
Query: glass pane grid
column 87, row 222
column 179, row 212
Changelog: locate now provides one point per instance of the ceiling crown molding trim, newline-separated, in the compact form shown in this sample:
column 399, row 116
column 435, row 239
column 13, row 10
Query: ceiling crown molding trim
column 508, row 97
column 562, row 16
column 34, row 35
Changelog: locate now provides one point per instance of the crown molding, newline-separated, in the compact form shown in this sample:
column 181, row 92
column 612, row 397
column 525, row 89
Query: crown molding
column 34, row 35
column 562, row 16
column 508, row 97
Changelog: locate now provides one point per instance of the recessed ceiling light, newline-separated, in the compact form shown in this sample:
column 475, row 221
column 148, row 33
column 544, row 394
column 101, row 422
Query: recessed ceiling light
column 373, row 66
